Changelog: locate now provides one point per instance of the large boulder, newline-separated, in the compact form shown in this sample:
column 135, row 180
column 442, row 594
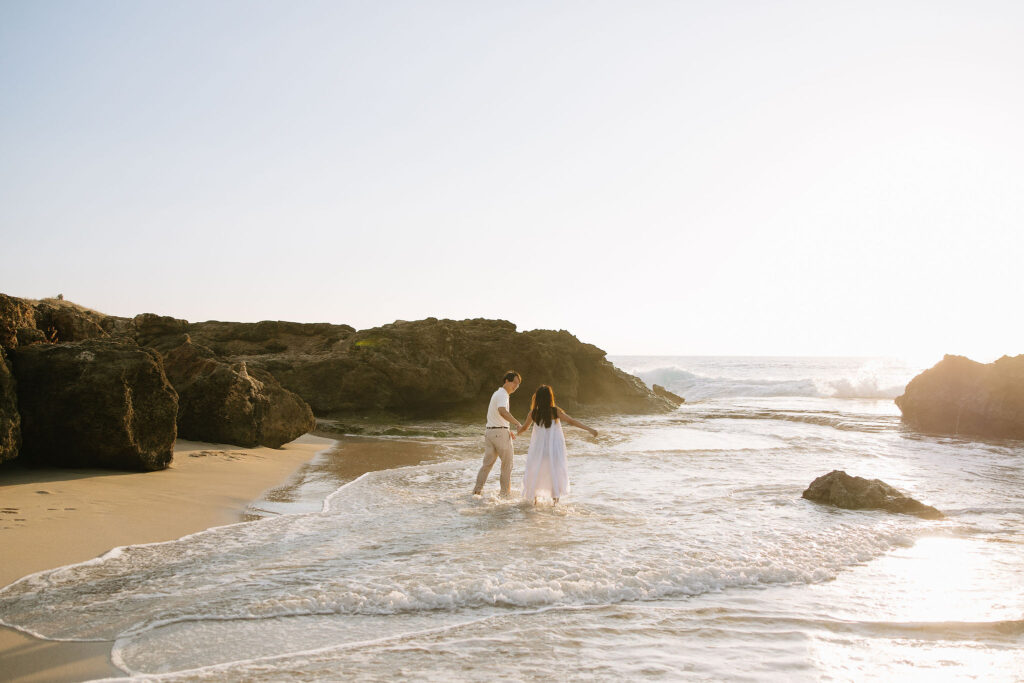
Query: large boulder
column 10, row 420
column 97, row 403
column 856, row 493
column 961, row 396
column 222, row 402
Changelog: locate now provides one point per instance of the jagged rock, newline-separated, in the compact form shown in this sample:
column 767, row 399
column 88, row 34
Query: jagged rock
column 856, row 493
column 15, row 314
column 10, row 420
column 97, row 403
column 961, row 396
column 222, row 402
column 665, row 393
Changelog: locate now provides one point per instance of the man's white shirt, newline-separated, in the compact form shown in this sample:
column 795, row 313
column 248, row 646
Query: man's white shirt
column 499, row 399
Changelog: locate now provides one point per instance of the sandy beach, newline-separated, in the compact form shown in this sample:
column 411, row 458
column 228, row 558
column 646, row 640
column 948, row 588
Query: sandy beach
column 50, row 518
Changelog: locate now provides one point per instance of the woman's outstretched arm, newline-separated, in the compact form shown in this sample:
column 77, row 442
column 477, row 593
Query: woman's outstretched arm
column 575, row 423
column 526, row 424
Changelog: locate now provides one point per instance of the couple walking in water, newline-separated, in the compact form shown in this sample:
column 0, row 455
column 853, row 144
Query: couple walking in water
column 547, row 469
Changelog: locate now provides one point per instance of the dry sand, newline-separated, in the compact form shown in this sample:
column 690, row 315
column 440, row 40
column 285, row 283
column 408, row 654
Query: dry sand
column 50, row 518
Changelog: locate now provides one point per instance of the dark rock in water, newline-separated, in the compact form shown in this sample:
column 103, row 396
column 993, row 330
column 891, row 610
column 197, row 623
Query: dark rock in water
column 222, row 402
column 10, row 420
column 665, row 393
column 97, row 403
column 856, row 493
column 961, row 396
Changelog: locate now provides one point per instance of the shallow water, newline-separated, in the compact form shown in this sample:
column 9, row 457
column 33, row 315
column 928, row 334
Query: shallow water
column 684, row 551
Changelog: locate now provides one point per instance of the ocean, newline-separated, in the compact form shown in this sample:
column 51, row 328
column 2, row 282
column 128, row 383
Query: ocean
column 684, row 552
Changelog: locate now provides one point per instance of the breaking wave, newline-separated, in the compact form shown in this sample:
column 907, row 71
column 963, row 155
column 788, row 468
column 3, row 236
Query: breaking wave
column 694, row 387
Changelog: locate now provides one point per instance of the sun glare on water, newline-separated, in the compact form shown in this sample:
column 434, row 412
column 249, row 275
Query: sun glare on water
column 944, row 600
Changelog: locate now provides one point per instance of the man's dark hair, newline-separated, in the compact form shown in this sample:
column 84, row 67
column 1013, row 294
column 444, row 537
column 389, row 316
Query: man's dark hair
column 512, row 376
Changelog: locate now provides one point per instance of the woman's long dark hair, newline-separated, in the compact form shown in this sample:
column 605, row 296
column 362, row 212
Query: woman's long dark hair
column 542, row 406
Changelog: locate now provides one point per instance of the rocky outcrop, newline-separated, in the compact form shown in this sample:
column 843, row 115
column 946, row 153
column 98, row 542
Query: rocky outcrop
column 97, row 403
column 436, row 367
column 223, row 402
column 961, row 396
column 856, row 493
column 666, row 394
column 10, row 420
column 426, row 368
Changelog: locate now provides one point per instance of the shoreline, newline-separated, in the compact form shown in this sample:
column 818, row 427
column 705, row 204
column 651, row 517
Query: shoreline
column 57, row 517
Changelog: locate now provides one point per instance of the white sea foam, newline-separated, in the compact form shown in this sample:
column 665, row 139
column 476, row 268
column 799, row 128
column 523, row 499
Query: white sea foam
column 700, row 378
column 696, row 387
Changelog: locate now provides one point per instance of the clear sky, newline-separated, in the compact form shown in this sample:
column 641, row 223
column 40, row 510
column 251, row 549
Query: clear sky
column 826, row 178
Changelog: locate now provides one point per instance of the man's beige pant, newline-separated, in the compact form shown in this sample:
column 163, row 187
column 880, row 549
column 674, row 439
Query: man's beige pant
column 497, row 444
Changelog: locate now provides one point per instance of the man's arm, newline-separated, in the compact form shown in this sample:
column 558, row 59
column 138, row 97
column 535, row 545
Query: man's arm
column 508, row 416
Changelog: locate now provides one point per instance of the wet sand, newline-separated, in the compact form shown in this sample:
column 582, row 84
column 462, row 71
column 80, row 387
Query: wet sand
column 51, row 518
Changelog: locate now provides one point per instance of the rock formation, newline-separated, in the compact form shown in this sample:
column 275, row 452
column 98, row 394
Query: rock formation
column 961, row 396
column 62, row 321
column 15, row 314
column 224, row 403
column 856, row 493
column 665, row 393
column 96, row 403
column 250, row 383
column 10, row 420
column 24, row 322
column 436, row 367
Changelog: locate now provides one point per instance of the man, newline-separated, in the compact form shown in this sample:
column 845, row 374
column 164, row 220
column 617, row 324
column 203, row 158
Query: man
column 497, row 437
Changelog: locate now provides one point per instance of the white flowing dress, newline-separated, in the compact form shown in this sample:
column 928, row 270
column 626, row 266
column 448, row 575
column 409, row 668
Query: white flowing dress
column 547, row 469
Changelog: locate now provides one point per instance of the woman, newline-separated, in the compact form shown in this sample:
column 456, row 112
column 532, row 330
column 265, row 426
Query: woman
column 547, row 472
